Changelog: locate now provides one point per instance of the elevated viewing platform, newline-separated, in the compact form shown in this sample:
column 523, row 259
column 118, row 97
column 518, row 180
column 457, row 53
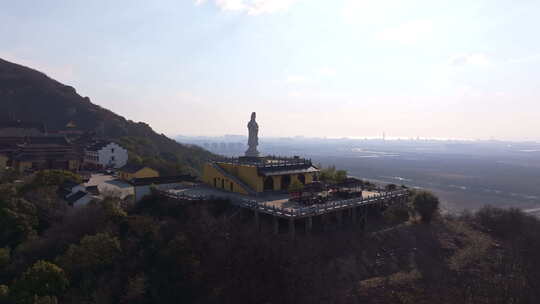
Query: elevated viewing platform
column 280, row 207
column 333, row 206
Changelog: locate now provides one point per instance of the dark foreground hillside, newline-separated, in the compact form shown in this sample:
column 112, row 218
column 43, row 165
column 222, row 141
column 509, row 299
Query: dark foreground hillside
column 207, row 252
column 29, row 95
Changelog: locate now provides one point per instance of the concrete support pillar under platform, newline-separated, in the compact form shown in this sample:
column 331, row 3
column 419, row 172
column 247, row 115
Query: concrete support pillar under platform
column 275, row 220
column 364, row 218
column 339, row 215
column 257, row 221
column 291, row 227
column 353, row 215
column 309, row 224
column 324, row 222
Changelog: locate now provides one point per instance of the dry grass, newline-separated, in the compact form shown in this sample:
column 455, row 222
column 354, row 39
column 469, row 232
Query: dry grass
column 475, row 246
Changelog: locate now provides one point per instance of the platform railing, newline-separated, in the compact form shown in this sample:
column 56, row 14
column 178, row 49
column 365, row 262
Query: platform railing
column 273, row 162
column 321, row 208
column 302, row 211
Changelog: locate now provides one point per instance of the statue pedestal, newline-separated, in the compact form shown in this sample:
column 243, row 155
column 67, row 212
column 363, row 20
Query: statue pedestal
column 251, row 159
column 252, row 152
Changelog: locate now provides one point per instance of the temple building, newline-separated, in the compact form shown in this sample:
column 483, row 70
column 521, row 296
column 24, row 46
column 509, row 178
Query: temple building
column 133, row 171
column 248, row 176
column 29, row 147
column 19, row 128
column 39, row 153
column 253, row 174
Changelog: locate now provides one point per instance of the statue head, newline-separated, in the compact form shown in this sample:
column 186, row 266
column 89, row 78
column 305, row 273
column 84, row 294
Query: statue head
column 253, row 116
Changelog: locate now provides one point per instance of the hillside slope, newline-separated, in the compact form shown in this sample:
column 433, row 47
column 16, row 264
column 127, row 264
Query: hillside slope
column 167, row 251
column 29, row 95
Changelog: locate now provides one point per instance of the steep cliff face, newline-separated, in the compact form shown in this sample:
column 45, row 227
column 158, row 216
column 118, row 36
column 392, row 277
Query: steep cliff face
column 30, row 95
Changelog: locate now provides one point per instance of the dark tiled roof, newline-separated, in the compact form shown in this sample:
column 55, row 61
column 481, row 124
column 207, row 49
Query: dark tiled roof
column 75, row 197
column 63, row 192
column 44, row 155
column 44, row 148
column 131, row 168
column 93, row 189
column 23, row 125
column 11, row 140
column 34, row 140
column 47, row 140
column 161, row 180
column 69, row 185
column 96, row 146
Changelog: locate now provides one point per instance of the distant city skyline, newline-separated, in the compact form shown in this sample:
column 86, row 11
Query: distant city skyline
column 345, row 68
column 241, row 138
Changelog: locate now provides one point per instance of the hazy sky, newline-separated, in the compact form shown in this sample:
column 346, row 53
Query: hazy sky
column 460, row 69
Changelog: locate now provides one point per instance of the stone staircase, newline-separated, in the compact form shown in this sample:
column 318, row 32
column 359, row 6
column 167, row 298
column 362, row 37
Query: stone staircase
column 235, row 179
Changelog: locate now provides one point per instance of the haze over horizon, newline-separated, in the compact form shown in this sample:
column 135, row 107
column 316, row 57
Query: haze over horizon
column 317, row 68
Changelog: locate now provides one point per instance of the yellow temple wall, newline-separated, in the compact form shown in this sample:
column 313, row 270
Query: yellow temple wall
column 210, row 173
column 248, row 174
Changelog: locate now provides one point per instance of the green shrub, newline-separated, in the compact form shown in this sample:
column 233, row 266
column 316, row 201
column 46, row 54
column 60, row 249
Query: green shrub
column 390, row 187
column 55, row 178
column 331, row 175
column 4, row 294
column 92, row 255
column 505, row 222
column 41, row 279
column 396, row 214
column 5, row 257
column 426, row 205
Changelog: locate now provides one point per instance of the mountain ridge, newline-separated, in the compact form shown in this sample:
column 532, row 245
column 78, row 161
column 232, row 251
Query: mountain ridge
column 30, row 95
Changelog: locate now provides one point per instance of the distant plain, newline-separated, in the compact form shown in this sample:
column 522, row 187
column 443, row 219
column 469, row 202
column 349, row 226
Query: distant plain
column 466, row 175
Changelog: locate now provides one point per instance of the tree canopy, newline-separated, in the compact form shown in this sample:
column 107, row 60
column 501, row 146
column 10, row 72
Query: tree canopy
column 332, row 175
column 426, row 205
column 41, row 279
column 207, row 251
